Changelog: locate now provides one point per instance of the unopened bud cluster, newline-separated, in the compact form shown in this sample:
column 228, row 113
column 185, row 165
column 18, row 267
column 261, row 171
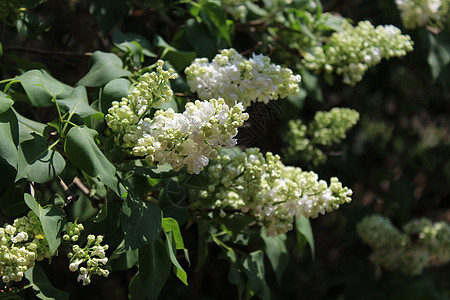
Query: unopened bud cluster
column 90, row 259
column 152, row 88
column 270, row 191
column 353, row 50
column 421, row 244
column 327, row 128
column 239, row 80
column 418, row 13
column 21, row 244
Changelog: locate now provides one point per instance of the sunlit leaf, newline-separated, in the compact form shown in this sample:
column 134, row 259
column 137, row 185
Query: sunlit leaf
column 41, row 87
column 77, row 103
column 5, row 103
column 114, row 90
column 276, row 251
column 51, row 217
column 105, row 67
column 37, row 162
column 8, row 149
column 83, row 152
column 27, row 127
column 171, row 249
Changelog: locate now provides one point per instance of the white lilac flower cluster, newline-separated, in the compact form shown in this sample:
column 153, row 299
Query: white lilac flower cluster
column 418, row 13
column 183, row 139
column 327, row 128
column 21, row 244
column 422, row 243
column 351, row 52
column 90, row 259
column 239, row 80
column 270, row 191
column 190, row 138
column 153, row 88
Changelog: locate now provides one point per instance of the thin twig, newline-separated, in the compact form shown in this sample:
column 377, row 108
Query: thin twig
column 69, row 196
column 81, row 186
column 44, row 52
column 185, row 95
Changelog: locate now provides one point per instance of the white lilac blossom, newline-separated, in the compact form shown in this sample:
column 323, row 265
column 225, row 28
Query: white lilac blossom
column 421, row 244
column 21, row 244
column 270, row 191
column 153, row 88
column 353, row 50
column 304, row 142
column 92, row 256
column 239, row 80
column 190, row 138
column 187, row 139
column 419, row 13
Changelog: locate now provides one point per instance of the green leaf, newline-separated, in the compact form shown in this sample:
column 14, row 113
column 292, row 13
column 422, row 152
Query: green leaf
column 202, row 252
column 123, row 40
column 8, row 150
column 5, row 103
column 84, row 153
column 253, row 266
column 438, row 53
column 154, row 268
column 123, row 259
column 276, row 251
column 28, row 24
column 11, row 202
column 141, row 222
column 236, row 274
column 27, row 128
column 42, row 286
column 77, row 103
column 105, row 67
column 169, row 224
column 41, row 87
column 51, row 217
column 136, row 289
column 199, row 37
column 179, row 59
column 114, row 90
column 235, row 224
column 38, row 163
column 311, row 84
column 216, row 19
column 172, row 251
column 304, row 231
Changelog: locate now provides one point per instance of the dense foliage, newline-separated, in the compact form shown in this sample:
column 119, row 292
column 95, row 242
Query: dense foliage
column 224, row 149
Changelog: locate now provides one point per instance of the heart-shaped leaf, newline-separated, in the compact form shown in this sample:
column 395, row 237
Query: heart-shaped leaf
column 38, row 163
column 84, row 153
column 41, row 87
column 51, row 217
column 141, row 222
column 77, row 103
column 105, row 67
